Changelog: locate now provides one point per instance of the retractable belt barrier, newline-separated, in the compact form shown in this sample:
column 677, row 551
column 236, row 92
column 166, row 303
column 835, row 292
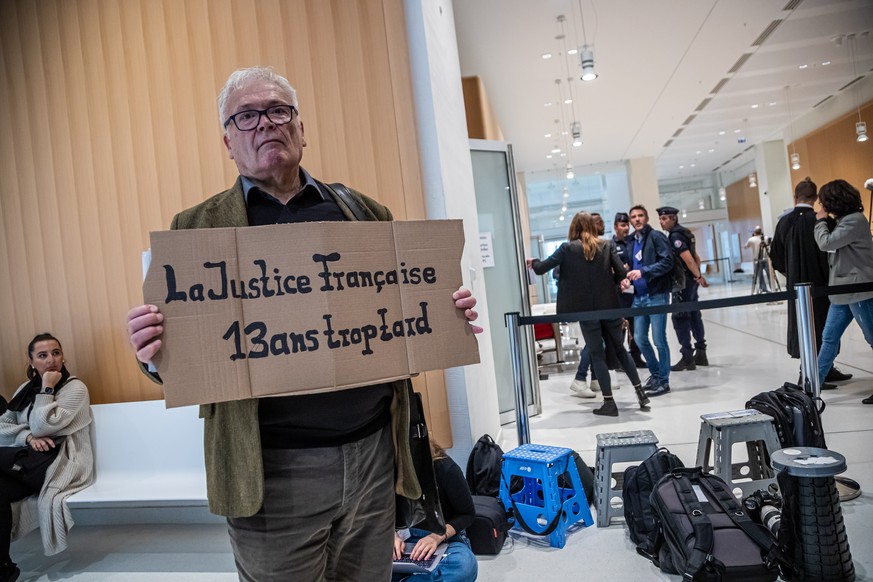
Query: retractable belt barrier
column 817, row 291
column 801, row 294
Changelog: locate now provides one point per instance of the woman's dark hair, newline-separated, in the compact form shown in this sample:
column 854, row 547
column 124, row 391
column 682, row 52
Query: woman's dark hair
column 42, row 337
column 840, row 198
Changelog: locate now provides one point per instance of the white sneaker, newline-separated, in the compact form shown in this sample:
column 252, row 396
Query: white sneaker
column 595, row 385
column 580, row 390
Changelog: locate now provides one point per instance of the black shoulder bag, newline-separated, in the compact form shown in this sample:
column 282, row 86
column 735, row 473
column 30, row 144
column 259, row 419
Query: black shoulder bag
column 424, row 512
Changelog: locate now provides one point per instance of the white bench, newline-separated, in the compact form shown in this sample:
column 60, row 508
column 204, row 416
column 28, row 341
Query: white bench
column 146, row 457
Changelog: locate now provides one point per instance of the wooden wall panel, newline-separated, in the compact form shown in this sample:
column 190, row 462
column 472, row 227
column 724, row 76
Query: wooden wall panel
column 111, row 127
column 831, row 152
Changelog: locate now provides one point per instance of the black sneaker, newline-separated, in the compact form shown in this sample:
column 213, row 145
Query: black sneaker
column 684, row 364
column 835, row 375
column 700, row 357
column 868, row 400
column 663, row 388
column 651, row 383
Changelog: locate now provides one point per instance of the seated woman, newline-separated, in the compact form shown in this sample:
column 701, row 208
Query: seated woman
column 459, row 563
column 45, row 449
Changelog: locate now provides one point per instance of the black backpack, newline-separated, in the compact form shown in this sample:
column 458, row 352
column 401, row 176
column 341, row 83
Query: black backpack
column 706, row 534
column 795, row 415
column 484, row 467
column 639, row 481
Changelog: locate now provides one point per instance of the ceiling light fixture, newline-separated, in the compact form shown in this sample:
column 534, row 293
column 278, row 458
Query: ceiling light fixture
column 795, row 157
column 860, row 126
column 586, row 52
column 547, row 56
column 570, row 173
column 753, row 180
column 575, row 125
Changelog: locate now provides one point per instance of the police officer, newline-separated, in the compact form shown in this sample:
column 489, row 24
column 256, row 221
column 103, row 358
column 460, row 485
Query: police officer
column 688, row 323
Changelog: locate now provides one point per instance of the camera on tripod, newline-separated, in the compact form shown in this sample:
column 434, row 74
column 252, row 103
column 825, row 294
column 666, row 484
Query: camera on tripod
column 765, row 507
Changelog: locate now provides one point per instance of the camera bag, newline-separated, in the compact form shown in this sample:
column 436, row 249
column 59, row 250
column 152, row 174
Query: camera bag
column 705, row 534
column 488, row 531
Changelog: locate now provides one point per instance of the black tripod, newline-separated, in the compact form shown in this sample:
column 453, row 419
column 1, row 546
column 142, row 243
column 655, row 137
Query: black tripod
column 762, row 274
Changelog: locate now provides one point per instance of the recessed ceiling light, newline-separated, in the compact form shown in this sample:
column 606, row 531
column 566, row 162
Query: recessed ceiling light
column 548, row 135
column 692, row 165
column 737, row 131
column 755, row 106
column 825, row 63
column 564, row 132
column 556, row 151
column 563, row 155
column 721, row 133
column 567, row 101
column 573, row 51
column 549, row 157
column 772, row 103
column 681, row 167
column 803, row 66
column 548, row 104
column 547, row 56
column 697, row 152
column 711, row 150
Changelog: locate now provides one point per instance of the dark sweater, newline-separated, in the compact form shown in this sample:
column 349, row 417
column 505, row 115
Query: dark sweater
column 584, row 285
column 455, row 498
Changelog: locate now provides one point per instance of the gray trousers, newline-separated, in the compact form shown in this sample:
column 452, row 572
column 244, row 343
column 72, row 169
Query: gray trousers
column 328, row 514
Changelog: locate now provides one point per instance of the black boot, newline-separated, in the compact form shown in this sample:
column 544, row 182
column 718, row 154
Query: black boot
column 608, row 409
column 700, row 357
column 684, row 364
column 641, row 396
column 9, row 572
column 835, row 375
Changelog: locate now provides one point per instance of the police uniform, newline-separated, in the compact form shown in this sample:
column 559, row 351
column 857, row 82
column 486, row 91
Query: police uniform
column 688, row 323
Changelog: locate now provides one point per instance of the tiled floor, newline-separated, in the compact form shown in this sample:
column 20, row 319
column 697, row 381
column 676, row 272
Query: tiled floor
column 747, row 356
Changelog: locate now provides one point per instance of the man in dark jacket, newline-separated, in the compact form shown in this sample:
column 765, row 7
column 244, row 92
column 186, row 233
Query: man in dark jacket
column 795, row 254
column 620, row 240
column 686, row 323
column 651, row 264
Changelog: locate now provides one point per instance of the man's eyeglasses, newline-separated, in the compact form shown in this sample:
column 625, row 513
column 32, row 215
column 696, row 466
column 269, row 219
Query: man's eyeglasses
column 250, row 118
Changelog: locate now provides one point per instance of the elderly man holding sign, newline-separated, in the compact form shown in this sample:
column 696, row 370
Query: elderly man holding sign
column 307, row 482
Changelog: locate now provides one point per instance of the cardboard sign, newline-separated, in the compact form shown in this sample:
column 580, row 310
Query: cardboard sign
column 306, row 307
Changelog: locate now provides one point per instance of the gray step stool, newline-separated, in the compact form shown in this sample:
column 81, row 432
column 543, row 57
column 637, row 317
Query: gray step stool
column 617, row 447
column 718, row 433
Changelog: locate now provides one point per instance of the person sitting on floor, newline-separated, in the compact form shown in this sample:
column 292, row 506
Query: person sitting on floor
column 459, row 564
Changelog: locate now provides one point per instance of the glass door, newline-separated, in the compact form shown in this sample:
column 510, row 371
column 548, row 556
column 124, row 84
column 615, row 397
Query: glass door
column 505, row 273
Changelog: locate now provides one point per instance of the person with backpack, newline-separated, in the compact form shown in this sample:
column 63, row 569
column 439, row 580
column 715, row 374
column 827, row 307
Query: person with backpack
column 590, row 271
column 846, row 239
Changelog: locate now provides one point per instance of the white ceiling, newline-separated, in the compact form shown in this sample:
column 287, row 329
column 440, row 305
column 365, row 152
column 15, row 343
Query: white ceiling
column 673, row 75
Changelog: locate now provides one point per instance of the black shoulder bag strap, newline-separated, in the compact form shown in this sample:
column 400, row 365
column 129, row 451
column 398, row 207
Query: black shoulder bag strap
column 517, row 514
column 700, row 522
column 732, row 509
column 342, row 192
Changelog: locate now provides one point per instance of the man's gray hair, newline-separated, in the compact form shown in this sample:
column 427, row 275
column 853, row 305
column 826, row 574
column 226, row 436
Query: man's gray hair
column 243, row 77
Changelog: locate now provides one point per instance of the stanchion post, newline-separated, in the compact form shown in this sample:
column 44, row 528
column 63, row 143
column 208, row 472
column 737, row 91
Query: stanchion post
column 806, row 333
column 521, row 420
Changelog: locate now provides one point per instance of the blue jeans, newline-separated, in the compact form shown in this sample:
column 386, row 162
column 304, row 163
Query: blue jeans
column 659, row 367
column 459, row 564
column 584, row 364
column 839, row 318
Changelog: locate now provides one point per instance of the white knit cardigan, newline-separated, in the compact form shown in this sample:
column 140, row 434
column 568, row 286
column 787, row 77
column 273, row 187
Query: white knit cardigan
column 67, row 413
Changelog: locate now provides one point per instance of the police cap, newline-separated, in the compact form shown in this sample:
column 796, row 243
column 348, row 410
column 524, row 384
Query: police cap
column 666, row 210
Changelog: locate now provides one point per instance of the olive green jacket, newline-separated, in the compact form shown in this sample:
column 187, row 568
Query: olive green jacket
column 231, row 438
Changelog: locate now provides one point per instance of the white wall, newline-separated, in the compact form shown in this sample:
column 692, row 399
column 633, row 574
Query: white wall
column 447, row 175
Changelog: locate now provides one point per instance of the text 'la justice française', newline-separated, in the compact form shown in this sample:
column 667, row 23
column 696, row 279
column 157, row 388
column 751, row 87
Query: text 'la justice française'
column 270, row 282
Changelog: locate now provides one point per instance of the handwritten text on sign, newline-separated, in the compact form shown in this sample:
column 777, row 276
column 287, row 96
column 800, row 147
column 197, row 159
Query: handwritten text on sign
column 352, row 303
